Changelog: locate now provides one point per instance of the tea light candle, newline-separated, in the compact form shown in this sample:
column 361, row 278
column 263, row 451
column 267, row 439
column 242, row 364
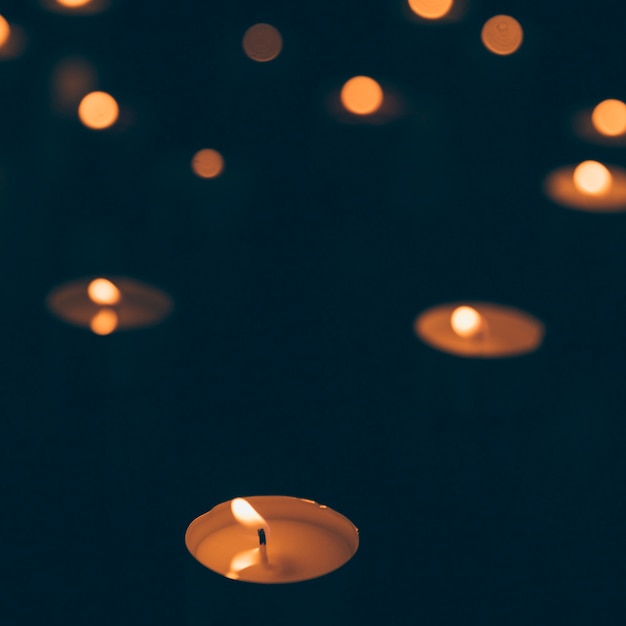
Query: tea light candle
column 108, row 304
column 479, row 329
column 566, row 186
column 272, row 539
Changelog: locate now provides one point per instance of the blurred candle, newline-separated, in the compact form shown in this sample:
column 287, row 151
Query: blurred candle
column 431, row 9
column 262, row 43
column 479, row 329
column 589, row 186
column 272, row 539
column 592, row 178
column 502, row 35
column 5, row 31
column 361, row 95
column 207, row 163
column 609, row 117
column 108, row 304
column 98, row 110
column 73, row 3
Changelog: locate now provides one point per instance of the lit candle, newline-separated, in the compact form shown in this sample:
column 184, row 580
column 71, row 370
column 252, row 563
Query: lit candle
column 603, row 124
column 105, row 305
column 479, row 329
column 588, row 186
column 272, row 539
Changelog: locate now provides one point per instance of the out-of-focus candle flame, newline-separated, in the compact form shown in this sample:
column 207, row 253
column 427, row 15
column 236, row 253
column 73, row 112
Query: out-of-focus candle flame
column 5, row 31
column 73, row 3
column 104, row 322
column 362, row 95
column 431, row 9
column 207, row 163
column 262, row 42
column 98, row 110
column 502, row 35
column 247, row 515
column 609, row 117
column 466, row 322
column 103, row 291
column 592, row 178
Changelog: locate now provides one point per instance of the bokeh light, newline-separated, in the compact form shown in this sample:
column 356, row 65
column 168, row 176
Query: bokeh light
column 76, row 7
column 5, row 31
column 431, row 9
column 72, row 78
column 592, row 177
column 103, row 291
column 98, row 110
column 73, row 3
column 207, row 163
column 502, row 35
column 104, row 322
column 361, row 95
column 609, row 117
column 466, row 321
column 262, row 43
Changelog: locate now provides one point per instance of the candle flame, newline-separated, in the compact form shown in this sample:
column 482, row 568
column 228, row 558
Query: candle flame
column 247, row 515
column 103, row 291
column 466, row 322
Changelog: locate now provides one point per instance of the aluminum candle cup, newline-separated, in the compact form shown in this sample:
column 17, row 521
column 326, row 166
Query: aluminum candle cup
column 479, row 329
column 272, row 539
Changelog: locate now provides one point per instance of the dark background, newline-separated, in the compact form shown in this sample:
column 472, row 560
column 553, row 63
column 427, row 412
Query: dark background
column 486, row 492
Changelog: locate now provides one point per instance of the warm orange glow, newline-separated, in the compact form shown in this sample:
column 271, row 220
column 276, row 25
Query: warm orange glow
column 207, row 163
column 502, row 34
column 481, row 330
column 103, row 291
column 609, row 117
column 431, row 9
column 104, row 322
column 466, row 322
column 592, row 178
column 72, row 78
column 246, row 514
column 98, row 110
column 73, row 3
column 262, row 42
column 5, row 31
column 243, row 560
column 362, row 95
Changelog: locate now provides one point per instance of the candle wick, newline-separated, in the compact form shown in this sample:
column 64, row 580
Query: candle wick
column 263, row 547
